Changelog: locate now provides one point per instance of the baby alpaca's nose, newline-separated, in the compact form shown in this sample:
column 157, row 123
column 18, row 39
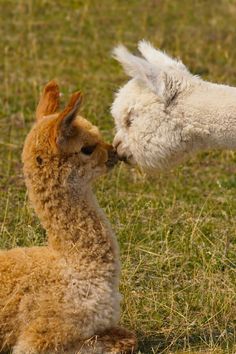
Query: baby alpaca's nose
column 112, row 157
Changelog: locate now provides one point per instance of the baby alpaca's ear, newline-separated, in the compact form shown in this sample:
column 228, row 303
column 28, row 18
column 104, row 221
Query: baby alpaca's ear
column 49, row 100
column 156, row 79
column 66, row 128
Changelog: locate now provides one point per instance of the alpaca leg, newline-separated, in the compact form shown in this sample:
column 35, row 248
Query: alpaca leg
column 117, row 340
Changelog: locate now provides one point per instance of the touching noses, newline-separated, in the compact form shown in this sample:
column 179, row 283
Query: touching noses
column 120, row 148
column 112, row 157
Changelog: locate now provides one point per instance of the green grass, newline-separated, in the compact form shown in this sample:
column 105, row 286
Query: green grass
column 177, row 231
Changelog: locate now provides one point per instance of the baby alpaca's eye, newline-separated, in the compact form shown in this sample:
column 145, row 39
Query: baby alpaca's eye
column 88, row 150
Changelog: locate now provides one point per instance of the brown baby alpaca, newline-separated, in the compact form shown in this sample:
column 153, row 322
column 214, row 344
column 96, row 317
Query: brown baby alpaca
column 64, row 297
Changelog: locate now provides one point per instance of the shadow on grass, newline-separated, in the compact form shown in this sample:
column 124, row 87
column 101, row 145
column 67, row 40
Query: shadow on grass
column 196, row 340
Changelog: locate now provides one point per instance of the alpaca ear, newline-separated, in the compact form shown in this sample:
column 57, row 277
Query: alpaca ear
column 66, row 118
column 156, row 73
column 49, row 100
column 159, row 58
column 142, row 70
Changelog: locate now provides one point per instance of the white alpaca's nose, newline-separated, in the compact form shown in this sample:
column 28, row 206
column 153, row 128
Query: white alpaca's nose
column 116, row 141
column 123, row 151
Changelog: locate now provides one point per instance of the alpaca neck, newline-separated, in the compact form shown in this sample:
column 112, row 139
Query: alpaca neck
column 77, row 227
column 213, row 116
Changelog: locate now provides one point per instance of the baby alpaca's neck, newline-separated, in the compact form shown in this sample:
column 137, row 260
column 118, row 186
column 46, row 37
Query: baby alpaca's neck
column 77, row 227
column 212, row 117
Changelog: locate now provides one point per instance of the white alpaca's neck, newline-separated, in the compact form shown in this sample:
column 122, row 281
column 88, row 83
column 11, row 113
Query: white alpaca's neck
column 210, row 115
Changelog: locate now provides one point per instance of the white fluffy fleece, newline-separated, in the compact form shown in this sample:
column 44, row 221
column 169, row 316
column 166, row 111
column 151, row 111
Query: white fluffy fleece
column 164, row 113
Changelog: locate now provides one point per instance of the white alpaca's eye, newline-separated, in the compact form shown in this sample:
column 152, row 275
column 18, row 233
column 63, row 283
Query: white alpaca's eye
column 128, row 120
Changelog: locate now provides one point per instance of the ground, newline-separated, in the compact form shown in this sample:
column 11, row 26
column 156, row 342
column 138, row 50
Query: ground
column 177, row 230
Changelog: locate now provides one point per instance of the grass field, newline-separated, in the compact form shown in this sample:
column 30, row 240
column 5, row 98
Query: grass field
column 176, row 231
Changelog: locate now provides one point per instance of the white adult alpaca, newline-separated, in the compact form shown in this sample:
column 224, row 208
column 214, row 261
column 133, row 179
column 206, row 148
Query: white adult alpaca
column 164, row 113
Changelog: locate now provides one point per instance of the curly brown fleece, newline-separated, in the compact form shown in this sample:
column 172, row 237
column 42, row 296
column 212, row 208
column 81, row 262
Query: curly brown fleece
column 64, row 297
